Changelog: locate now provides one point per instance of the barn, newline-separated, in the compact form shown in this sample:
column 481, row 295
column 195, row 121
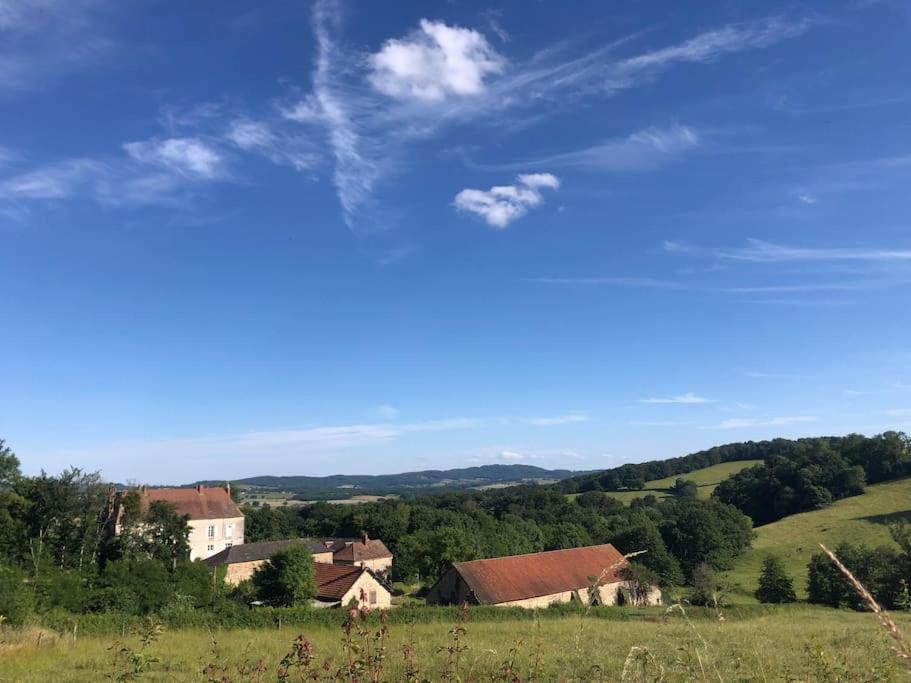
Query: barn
column 590, row 574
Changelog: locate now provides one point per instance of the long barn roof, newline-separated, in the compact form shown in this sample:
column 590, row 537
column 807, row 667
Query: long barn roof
column 519, row 577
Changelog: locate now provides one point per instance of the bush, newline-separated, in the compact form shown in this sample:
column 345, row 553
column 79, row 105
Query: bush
column 287, row 578
column 17, row 599
column 775, row 586
column 139, row 586
column 708, row 589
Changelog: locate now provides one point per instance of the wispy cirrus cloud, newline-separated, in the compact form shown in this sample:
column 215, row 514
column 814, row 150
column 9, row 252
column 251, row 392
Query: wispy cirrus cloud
column 281, row 450
column 156, row 171
column 502, row 204
column 374, row 106
column 188, row 157
column 705, row 47
column 261, row 137
column 41, row 40
column 759, row 251
column 744, row 423
column 688, row 398
column 642, row 150
column 573, row 418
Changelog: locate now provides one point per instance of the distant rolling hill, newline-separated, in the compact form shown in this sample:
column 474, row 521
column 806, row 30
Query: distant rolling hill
column 343, row 485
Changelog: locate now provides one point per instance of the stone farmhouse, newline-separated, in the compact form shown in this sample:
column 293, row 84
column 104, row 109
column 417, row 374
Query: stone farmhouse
column 366, row 552
column 215, row 521
column 337, row 584
column 592, row 574
column 241, row 561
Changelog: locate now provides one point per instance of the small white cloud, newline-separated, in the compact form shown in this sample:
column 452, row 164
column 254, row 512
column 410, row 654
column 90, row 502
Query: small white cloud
column 806, row 198
column 688, row 398
column 502, row 204
column 511, row 455
column 433, row 63
column 187, row 156
column 384, row 412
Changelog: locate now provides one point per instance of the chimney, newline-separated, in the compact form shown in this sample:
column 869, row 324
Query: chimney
column 142, row 489
column 366, row 538
column 228, row 488
column 199, row 488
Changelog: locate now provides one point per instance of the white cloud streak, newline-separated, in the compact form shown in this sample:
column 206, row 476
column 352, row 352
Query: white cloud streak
column 574, row 418
column 188, row 157
column 744, row 423
column 502, row 204
column 642, row 150
column 688, row 398
column 759, row 251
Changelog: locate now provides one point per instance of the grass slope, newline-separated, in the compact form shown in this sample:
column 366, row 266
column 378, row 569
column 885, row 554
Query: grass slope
column 707, row 479
column 861, row 519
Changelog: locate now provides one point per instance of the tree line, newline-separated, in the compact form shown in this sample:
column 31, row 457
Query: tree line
column 809, row 474
column 428, row 534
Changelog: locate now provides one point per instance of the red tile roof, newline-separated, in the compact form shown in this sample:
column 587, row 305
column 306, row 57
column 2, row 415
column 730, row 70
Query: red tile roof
column 518, row 577
column 333, row 580
column 358, row 551
column 197, row 503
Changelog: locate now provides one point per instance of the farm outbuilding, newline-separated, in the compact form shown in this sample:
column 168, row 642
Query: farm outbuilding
column 593, row 574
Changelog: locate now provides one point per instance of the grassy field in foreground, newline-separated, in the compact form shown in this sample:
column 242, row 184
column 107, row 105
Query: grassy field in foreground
column 861, row 519
column 707, row 478
column 791, row 643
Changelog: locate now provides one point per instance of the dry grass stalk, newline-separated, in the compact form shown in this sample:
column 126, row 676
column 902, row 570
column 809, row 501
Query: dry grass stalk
column 901, row 649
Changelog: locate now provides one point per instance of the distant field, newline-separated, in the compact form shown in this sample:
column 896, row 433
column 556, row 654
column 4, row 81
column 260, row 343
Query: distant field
column 707, row 479
column 796, row 643
column 861, row 519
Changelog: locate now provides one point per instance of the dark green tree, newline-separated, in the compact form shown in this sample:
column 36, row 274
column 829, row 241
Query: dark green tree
column 775, row 586
column 685, row 488
column 157, row 533
column 9, row 466
column 287, row 578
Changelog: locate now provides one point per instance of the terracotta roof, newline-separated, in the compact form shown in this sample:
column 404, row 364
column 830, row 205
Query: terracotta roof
column 358, row 551
column 196, row 503
column 518, row 577
column 252, row 552
column 333, row 580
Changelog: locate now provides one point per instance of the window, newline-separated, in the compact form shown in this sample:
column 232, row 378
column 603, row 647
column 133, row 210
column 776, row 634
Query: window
column 229, row 531
column 211, row 531
column 372, row 597
column 210, row 548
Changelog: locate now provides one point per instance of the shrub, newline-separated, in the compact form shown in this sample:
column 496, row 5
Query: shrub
column 288, row 577
column 775, row 586
column 17, row 600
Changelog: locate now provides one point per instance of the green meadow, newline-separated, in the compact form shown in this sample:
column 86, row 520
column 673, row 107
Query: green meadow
column 795, row 643
column 860, row 519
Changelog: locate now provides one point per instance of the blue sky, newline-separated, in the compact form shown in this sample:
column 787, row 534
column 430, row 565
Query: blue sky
column 284, row 237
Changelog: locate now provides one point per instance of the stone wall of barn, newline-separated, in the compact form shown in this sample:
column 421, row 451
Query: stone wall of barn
column 241, row 571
